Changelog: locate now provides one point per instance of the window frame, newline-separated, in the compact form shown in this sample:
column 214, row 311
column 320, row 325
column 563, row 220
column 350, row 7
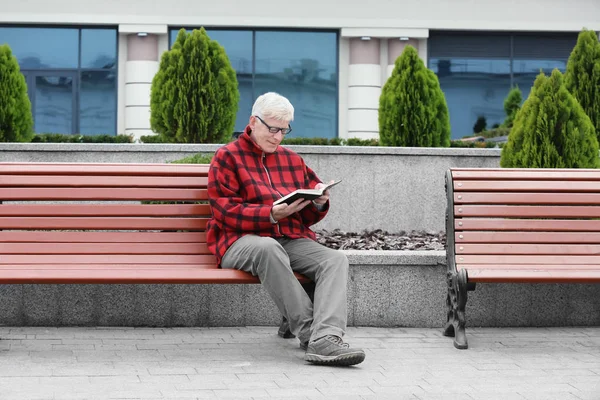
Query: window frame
column 31, row 72
column 510, row 36
column 254, row 30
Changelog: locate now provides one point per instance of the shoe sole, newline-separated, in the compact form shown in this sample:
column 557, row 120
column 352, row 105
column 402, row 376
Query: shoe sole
column 343, row 359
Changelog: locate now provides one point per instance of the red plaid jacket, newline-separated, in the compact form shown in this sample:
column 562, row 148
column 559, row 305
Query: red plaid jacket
column 243, row 183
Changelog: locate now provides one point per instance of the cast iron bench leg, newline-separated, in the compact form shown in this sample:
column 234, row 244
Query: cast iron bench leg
column 455, row 303
column 450, row 309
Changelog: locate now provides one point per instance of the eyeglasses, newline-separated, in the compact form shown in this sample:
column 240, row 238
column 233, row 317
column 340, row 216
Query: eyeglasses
column 274, row 129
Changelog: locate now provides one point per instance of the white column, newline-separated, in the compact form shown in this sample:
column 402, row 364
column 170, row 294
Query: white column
column 364, row 88
column 140, row 68
column 344, row 64
column 395, row 48
column 121, row 84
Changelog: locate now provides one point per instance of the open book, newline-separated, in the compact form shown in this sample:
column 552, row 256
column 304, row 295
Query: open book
column 307, row 194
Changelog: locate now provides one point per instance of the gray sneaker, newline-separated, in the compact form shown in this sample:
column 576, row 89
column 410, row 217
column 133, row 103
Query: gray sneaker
column 331, row 350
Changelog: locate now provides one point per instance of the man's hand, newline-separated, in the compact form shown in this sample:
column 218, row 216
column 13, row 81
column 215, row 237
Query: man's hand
column 283, row 210
column 323, row 199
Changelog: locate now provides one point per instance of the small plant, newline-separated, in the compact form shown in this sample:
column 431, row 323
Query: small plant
column 551, row 130
column 473, row 144
column 412, row 106
column 198, row 158
column 480, row 124
column 496, row 132
column 512, row 105
column 154, row 139
column 16, row 121
column 306, row 141
column 361, row 142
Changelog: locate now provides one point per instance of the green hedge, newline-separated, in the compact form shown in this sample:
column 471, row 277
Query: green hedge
column 156, row 139
column 474, row 145
column 198, row 158
column 60, row 138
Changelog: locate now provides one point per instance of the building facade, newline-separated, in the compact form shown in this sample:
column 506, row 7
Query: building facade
column 89, row 65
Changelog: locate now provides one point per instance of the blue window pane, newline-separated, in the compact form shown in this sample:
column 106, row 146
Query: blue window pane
column 245, row 103
column 473, row 88
column 303, row 67
column 53, row 104
column 525, row 71
column 238, row 46
column 98, row 48
column 98, row 102
column 173, row 36
column 40, row 48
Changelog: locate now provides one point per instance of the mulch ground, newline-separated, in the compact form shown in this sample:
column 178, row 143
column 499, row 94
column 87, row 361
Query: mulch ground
column 382, row 240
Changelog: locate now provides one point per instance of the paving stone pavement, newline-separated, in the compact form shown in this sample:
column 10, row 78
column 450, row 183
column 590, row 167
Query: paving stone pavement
column 254, row 363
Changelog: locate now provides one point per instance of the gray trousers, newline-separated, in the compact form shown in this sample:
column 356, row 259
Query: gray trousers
column 274, row 262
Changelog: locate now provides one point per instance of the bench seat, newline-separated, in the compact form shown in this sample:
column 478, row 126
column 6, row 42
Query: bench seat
column 107, row 223
column 518, row 226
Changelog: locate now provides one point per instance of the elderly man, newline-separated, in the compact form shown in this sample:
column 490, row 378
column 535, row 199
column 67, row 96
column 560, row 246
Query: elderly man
column 249, row 233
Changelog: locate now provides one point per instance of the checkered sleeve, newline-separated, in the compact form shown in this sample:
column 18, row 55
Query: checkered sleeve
column 228, row 206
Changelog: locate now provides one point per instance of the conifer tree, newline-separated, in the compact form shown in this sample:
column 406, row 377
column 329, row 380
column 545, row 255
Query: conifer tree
column 551, row 130
column 512, row 104
column 412, row 106
column 16, row 121
column 582, row 76
column 194, row 96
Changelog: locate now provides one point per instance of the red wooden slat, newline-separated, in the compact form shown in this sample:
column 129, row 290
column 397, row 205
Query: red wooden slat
column 138, row 275
column 526, row 198
column 104, row 169
column 525, row 174
column 85, row 267
column 526, row 237
column 102, row 223
column 529, row 267
column 551, row 225
column 102, row 194
column 527, row 186
column 527, row 211
column 104, row 248
column 102, row 181
column 228, row 276
column 511, row 276
column 527, row 259
column 103, row 210
column 517, row 248
column 102, row 237
column 60, row 259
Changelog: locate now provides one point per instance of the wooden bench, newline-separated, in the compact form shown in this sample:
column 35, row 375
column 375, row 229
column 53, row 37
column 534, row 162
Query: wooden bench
column 99, row 223
column 518, row 226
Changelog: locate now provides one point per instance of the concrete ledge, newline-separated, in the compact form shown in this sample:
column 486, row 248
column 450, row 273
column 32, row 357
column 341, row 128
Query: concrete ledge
column 211, row 148
column 385, row 289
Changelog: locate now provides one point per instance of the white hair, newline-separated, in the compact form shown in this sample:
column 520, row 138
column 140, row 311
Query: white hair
column 273, row 105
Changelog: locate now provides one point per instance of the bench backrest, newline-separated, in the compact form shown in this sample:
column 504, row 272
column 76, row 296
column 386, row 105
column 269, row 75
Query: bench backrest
column 524, row 220
column 55, row 210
